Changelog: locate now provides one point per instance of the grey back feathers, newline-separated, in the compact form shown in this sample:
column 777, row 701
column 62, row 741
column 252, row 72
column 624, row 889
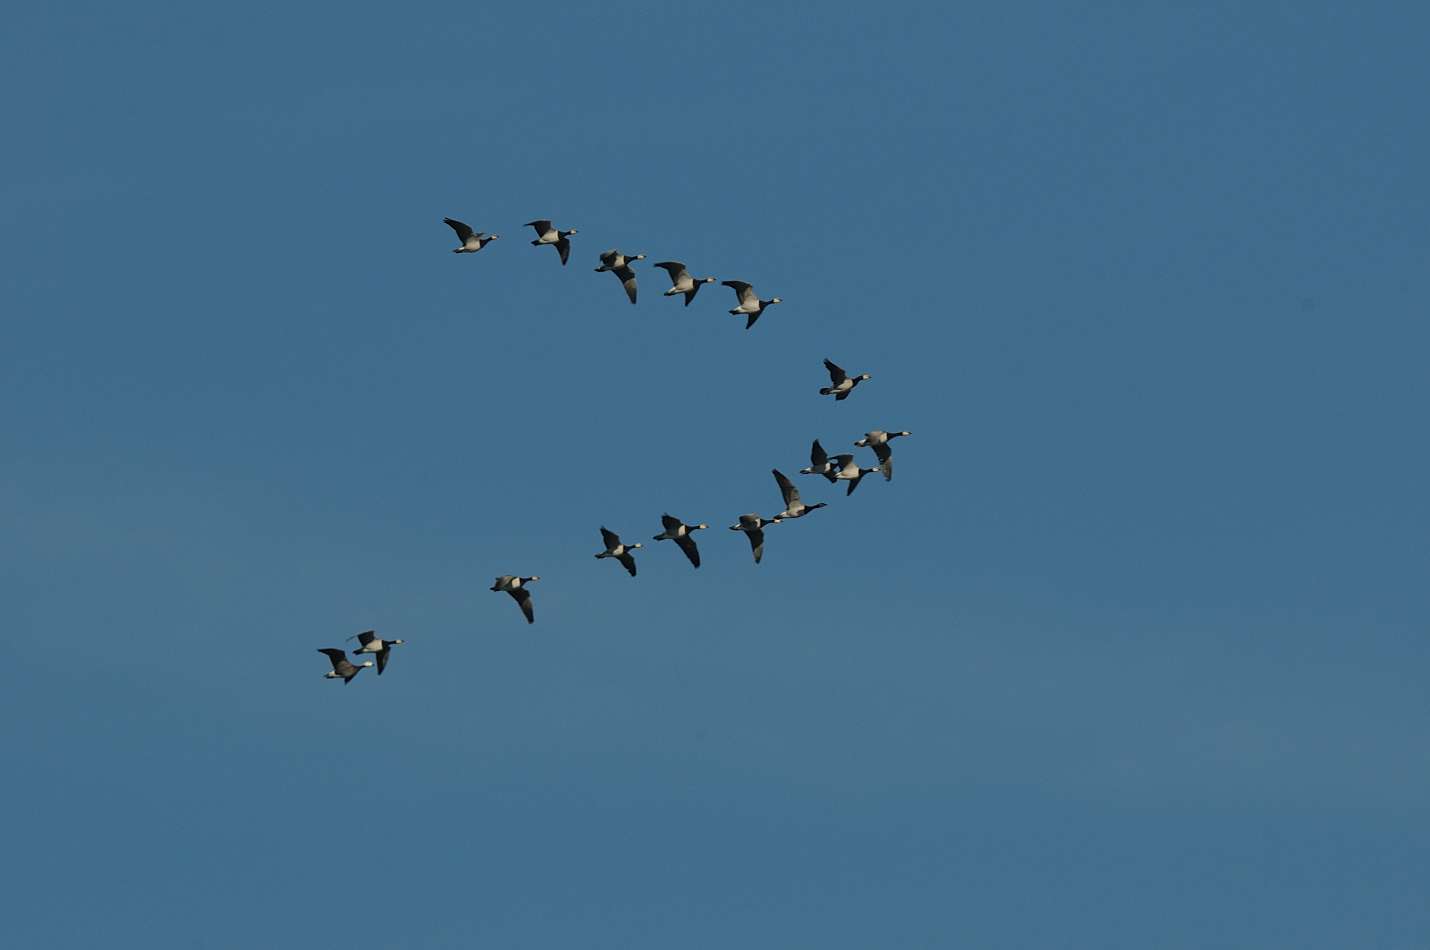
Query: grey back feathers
column 471, row 241
column 751, row 306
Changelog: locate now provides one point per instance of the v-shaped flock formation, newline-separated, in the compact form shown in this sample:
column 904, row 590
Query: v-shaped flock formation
column 834, row 468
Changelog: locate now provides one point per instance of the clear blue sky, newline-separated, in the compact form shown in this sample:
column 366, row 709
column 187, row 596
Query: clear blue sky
column 1131, row 653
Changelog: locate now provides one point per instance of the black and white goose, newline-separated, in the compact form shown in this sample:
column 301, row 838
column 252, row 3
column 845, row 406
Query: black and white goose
column 681, row 282
column 342, row 669
column 620, row 265
column 618, row 550
column 546, row 234
column 878, row 440
column 847, row 470
column 794, row 508
column 472, row 241
column 679, row 532
column 750, row 303
column 841, row 384
column 372, row 643
column 753, row 526
column 516, row 587
column 818, row 462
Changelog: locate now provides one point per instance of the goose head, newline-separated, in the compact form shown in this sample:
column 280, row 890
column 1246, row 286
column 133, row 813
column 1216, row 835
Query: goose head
column 865, row 376
column 699, row 527
column 776, row 300
column 366, row 663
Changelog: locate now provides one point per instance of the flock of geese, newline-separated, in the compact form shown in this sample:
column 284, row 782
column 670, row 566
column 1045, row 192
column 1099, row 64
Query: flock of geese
column 834, row 468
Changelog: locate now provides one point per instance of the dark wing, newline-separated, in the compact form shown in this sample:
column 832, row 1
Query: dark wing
column 752, row 318
column 881, row 449
column 523, row 598
column 366, row 637
column 610, row 538
column 382, row 659
column 628, row 560
column 854, row 483
column 741, row 289
column 541, row 224
column 563, row 247
column 836, row 375
column 334, row 656
column 670, row 522
column 757, row 543
column 840, row 397
column 687, row 544
column 463, row 232
column 817, row 456
column 628, row 280
column 673, row 268
column 843, row 460
column 690, row 294
column 787, row 489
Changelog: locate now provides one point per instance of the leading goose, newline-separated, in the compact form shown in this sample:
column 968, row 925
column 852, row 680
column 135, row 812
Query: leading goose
column 372, row 643
column 516, row 587
column 620, row 265
column 841, row 384
column 753, row 526
column 794, row 508
column 546, row 234
column 818, row 462
column 681, row 282
column 878, row 440
column 472, row 241
column 616, row 549
column 849, row 471
column 679, row 532
column 342, row 669
column 750, row 303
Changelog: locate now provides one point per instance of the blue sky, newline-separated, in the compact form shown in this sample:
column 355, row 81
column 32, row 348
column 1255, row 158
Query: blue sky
column 1131, row 653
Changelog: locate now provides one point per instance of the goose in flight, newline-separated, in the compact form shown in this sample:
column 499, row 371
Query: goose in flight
column 878, row 440
column 342, row 669
column 679, row 532
column 753, row 526
column 750, row 303
column 621, row 552
column 372, row 643
column 620, row 265
column 516, row 587
column 841, row 384
column 472, row 241
column 849, row 471
column 818, row 462
column 681, row 282
column 546, row 234
column 794, row 508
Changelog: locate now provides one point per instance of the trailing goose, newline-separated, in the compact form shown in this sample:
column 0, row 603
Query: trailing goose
column 621, row 552
column 818, row 462
column 620, row 265
column 753, row 526
column 750, row 303
column 681, row 282
column 546, row 234
column 472, row 241
column 372, row 643
column 849, row 471
column 841, row 384
column 342, row 669
column 516, row 587
column 878, row 440
column 794, row 508
column 679, row 532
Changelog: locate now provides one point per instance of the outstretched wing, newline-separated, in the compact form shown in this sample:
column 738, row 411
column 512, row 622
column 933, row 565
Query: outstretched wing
column 817, row 456
column 563, row 247
column 523, row 598
column 366, row 637
column 382, row 656
column 628, row 280
column 836, row 374
column 670, row 522
column 757, row 543
column 674, row 268
column 463, row 231
column 787, row 489
column 334, row 655
column 748, row 297
column 687, row 544
column 541, row 224
column 610, row 538
column 854, row 483
column 628, row 561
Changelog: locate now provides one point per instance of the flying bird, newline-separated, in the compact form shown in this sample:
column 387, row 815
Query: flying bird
column 681, row 282
column 679, row 532
column 841, row 384
column 516, row 587
column 621, row 552
column 794, row 508
column 620, row 265
column 818, row 462
column 753, row 526
column 546, row 234
column 472, row 241
column 878, row 440
column 849, row 472
column 342, row 669
column 372, row 643
column 750, row 303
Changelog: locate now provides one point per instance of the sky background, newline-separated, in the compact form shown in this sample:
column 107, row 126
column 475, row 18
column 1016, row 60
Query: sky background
column 1132, row 653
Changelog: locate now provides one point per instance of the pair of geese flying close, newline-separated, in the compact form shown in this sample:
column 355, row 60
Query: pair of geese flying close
column 837, row 468
column 373, row 645
column 673, row 530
